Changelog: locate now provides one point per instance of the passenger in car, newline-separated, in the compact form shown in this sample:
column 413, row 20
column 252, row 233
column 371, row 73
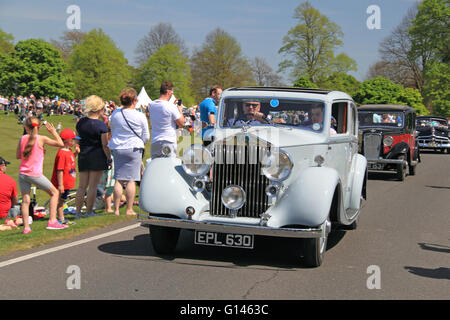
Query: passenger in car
column 317, row 119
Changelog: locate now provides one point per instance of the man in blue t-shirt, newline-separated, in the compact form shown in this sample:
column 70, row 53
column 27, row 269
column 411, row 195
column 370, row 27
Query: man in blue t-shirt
column 208, row 110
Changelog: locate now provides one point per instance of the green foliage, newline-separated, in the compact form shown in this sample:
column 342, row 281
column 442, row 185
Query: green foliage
column 431, row 29
column 6, row 42
column 35, row 67
column 168, row 63
column 341, row 81
column 438, row 88
column 219, row 62
column 304, row 82
column 383, row 91
column 98, row 67
column 311, row 45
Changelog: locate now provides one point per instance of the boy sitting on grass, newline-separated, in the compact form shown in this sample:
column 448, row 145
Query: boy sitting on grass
column 64, row 170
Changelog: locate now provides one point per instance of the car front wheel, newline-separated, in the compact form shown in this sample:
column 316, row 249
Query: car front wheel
column 314, row 248
column 164, row 239
column 402, row 169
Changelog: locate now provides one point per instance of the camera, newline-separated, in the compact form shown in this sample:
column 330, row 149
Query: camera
column 180, row 101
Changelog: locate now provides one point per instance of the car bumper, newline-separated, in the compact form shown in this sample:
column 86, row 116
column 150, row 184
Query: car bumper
column 433, row 145
column 387, row 161
column 222, row 227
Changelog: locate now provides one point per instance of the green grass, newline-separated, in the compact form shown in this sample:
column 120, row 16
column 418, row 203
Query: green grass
column 14, row 240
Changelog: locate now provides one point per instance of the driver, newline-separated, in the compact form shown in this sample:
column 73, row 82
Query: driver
column 251, row 115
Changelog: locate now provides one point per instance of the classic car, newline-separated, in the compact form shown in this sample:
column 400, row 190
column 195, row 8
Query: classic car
column 388, row 138
column 433, row 133
column 276, row 168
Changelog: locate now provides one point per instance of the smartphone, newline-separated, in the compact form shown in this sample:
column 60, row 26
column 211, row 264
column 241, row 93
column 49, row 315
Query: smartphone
column 180, row 101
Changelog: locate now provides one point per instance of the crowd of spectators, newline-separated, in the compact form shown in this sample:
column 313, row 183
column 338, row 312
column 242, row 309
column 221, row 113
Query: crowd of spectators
column 105, row 153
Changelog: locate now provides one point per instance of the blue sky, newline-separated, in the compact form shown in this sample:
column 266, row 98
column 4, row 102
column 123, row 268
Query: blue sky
column 258, row 25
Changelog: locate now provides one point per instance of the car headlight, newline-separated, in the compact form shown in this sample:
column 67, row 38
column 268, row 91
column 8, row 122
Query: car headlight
column 277, row 165
column 233, row 197
column 388, row 141
column 197, row 160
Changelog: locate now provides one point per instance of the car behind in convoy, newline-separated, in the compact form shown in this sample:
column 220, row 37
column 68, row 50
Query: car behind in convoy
column 433, row 133
column 388, row 138
column 286, row 170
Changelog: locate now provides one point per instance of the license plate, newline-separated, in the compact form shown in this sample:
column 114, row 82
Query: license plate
column 375, row 166
column 224, row 239
column 433, row 144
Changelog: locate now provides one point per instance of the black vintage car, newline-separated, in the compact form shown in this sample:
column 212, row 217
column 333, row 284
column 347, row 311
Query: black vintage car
column 387, row 136
column 433, row 133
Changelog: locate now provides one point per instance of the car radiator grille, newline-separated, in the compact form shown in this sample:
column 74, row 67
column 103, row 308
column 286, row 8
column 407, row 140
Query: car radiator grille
column 239, row 165
column 372, row 145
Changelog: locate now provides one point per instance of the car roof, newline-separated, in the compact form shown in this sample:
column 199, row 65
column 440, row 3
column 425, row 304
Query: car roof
column 387, row 107
column 309, row 92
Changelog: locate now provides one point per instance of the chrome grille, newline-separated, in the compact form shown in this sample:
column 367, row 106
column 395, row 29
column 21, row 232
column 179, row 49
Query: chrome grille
column 372, row 145
column 239, row 165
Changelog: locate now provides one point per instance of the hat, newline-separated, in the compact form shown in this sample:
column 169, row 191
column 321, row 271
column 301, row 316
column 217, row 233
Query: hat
column 67, row 134
column 3, row 161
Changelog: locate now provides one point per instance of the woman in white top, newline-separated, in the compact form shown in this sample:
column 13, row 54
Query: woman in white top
column 130, row 133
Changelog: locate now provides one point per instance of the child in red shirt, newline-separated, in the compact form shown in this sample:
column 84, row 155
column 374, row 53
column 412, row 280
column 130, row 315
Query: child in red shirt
column 64, row 170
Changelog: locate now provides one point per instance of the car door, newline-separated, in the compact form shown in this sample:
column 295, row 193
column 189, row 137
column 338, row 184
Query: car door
column 341, row 145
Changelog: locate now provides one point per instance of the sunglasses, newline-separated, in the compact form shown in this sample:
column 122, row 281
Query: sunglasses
column 254, row 105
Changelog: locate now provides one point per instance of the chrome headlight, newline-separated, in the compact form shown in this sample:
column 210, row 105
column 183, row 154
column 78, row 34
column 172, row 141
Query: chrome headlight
column 277, row 165
column 388, row 141
column 233, row 197
column 197, row 160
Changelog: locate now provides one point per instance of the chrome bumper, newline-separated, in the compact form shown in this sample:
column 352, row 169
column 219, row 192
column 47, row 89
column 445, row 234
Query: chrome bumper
column 229, row 227
column 433, row 145
column 387, row 161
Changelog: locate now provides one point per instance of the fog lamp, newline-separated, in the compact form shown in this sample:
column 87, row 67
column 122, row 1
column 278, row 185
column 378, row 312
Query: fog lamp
column 233, row 197
column 272, row 190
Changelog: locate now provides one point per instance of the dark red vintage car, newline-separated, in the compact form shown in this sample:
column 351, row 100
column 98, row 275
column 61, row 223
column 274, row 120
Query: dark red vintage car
column 388, row 138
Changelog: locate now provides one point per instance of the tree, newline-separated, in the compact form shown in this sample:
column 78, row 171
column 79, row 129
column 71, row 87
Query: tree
column 431, row 29
column 168, row 63
column 304, row 82
column 219, row 61
column 6, row 42
column 383, row 91
column 263, row 73
column 311, row 45
column 158, row 36
column 35, row 67
column 438, row 88
column 98, row 67
column 68, row 41
column 341, row 81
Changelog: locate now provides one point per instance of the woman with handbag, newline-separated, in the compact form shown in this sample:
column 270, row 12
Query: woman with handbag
column 130, row 133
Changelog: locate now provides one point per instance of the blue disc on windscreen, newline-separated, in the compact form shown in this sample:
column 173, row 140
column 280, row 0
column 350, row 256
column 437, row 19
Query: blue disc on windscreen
column 274, row 103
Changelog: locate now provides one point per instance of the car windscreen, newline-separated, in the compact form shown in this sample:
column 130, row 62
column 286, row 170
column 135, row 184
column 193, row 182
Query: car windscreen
column 429, row 122
column 247, row 111
column 380, row 119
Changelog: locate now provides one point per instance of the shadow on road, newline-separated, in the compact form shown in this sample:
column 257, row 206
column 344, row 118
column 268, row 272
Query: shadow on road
column 438, row 273
column 270, row 252
column 437, row 187
column 434, row 247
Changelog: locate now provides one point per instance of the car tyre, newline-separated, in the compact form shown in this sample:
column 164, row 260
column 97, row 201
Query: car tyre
column 314, row 249
column 402, row 169
column 164, row 239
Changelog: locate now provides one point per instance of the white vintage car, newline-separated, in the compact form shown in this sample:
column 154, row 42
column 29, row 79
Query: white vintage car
column 284, row 162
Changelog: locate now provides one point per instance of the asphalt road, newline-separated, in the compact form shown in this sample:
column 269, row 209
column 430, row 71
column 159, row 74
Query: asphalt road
column 403, row 238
